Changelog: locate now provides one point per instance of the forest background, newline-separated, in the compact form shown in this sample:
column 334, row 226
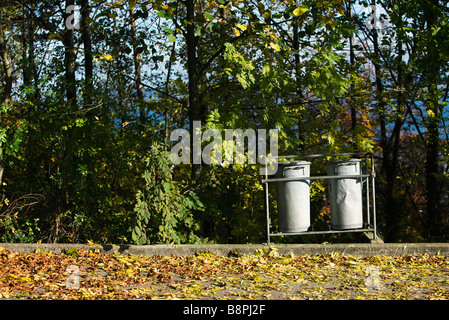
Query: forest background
column 92, row 89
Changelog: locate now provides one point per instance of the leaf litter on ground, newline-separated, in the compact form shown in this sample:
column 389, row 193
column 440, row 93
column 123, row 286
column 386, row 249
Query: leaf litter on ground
column 262, row 275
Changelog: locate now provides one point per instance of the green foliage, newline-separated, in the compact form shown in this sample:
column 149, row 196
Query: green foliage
column 15, row 226
column 323, row 76
column 11, row 132
column 73, row 252
column 12, row 229
column 242, row 67
column 164, row 209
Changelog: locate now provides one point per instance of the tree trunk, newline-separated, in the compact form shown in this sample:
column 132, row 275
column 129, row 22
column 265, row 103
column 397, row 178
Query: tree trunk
column 31, row 55
column 88, row 60
column 394, row 203
column 90, row 185
column 352, row 62
column 432, row 181
column 433, row 61
column 298, row 89
column 390, row 149
column 137, row 69
column 26, row 71
column 7, row 68
column 69, row 60
column 192, row 69
column 7, row 88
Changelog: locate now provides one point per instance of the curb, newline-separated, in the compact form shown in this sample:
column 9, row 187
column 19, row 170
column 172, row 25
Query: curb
column 358, row 249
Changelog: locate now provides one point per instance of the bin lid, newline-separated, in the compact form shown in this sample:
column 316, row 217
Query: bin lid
column 293, row 163
column 345, row 161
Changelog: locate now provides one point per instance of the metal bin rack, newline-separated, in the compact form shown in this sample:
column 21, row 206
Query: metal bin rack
column 367, row 175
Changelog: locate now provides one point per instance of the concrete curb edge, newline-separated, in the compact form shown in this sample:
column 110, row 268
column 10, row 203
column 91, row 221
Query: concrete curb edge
column 356, row 249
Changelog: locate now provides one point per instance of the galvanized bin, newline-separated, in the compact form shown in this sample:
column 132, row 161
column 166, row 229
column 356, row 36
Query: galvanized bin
column 293, row 197
column 345, row 194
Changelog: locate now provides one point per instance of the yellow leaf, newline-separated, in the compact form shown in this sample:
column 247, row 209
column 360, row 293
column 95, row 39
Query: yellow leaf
column 108, row 57
column 275, row 46
column 25, row 279
column 272, row 35
column 236, row 32
column 129, row 271
column 54, row 36
column 299, row 11
column 241, row 26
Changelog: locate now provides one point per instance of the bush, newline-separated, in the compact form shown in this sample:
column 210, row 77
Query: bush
column 164, row 209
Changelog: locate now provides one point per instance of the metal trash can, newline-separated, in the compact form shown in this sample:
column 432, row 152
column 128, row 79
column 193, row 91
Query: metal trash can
column 293, row 197
column 345, row 194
